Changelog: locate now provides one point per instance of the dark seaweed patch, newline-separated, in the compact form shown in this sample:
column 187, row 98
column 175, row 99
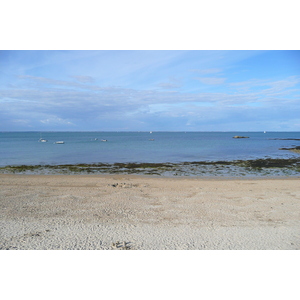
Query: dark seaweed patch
column 269, row 163
column 194, row 168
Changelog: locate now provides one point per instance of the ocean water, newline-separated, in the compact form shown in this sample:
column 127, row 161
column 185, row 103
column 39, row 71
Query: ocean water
column 24, row 148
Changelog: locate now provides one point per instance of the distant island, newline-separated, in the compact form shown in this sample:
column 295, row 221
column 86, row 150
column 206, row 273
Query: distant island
column 286, row 139
column 240, row 137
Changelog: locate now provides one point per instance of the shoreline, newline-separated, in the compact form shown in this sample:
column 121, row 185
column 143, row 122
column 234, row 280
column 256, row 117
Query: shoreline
column 271, row 167
column 145, row 176
column 134, row 212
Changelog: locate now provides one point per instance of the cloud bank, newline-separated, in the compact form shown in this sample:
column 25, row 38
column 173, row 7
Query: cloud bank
column 164, row 92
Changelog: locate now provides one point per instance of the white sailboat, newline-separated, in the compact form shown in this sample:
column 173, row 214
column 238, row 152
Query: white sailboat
column 42, row 140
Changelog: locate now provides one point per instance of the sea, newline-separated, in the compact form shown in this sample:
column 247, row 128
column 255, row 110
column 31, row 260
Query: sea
column 25, row 148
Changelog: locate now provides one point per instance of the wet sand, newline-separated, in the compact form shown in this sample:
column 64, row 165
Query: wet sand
column 137, row 212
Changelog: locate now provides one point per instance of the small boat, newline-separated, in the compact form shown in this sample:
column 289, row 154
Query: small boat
column 151, row 139
column 41, row 139
column 103, row 140
column 59, row 142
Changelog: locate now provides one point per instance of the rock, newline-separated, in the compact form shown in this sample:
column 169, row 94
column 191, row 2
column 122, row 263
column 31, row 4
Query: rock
column 240, row 137
column 285, row 139
column 295, row 149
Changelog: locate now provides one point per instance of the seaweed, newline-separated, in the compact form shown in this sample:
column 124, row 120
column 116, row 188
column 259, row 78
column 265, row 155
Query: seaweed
column 193, row 168
column 269, row 163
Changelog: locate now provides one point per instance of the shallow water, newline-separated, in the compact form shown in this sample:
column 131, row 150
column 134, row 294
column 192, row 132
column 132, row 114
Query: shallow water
column 23, row 148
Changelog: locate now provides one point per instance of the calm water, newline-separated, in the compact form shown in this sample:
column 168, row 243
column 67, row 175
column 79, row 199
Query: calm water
column 23, row 148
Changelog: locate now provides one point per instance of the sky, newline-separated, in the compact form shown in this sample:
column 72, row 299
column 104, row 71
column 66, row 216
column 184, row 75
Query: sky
column 155, row 90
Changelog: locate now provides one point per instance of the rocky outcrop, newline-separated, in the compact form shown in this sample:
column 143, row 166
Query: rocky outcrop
column 286, row 139
column 240, row 137
column 295, row 149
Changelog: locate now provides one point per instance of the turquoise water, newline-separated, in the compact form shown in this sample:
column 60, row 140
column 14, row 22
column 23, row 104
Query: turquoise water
column 23, row 148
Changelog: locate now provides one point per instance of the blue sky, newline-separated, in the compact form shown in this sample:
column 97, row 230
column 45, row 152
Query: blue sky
column 150, row 90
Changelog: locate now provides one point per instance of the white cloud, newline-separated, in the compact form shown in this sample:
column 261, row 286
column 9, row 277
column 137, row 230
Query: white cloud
column 207, row 71
column 280, row 85
column 22, row 122
column 68, row 103
column 290, row 81
column 49, row 81
column 211, row 80
column 173, row 83
column 56, row 121
column 267, row 91
column 84, row 79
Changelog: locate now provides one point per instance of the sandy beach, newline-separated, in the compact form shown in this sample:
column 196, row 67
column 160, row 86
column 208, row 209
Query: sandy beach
column 117, row 212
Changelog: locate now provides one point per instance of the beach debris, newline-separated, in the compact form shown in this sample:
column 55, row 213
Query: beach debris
column 121, row 185
column 121, row 246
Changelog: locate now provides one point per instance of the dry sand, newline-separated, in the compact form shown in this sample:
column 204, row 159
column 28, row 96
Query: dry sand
column 136, row 212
